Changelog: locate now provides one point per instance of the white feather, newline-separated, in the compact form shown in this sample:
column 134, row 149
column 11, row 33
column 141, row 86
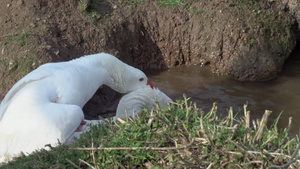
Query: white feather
column 46, row 105
column 142, row 98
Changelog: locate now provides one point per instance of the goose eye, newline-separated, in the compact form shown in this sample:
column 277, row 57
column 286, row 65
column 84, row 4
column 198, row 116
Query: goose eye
column 141, row 79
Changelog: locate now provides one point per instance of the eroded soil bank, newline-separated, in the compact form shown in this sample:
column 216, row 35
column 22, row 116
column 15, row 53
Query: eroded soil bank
column 243, row 40
column 280, row 95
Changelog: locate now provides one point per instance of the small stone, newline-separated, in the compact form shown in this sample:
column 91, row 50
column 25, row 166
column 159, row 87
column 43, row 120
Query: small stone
column 34, row 65
column 12, row 64
column 56, row 53
column 32, row 24
column 8, row 5
column 48, row 47
column 20, row 2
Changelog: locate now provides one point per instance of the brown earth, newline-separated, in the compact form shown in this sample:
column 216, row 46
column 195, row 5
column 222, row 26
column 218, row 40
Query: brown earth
column 243, row 40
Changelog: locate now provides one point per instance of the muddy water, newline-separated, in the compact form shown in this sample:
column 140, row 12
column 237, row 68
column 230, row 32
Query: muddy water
column 279, row 95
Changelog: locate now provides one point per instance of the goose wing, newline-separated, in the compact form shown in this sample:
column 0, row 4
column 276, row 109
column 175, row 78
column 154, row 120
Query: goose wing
column 42, row 72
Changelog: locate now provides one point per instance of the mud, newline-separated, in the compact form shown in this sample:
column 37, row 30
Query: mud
column 280, row 95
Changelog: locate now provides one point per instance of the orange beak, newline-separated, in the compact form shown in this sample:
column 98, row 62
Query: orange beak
column 148, row 83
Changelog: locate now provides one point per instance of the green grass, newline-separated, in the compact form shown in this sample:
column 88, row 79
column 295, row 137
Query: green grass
column 163, row 3
column 21, row 67
column 180, row 137
column 170, row 3
column 89, row 8
column 17, row 38
column 132, row 2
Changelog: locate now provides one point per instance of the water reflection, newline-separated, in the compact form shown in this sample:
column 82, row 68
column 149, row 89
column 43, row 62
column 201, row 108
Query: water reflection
column 205, row 88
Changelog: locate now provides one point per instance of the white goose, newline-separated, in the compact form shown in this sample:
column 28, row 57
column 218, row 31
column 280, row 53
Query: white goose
column 142, row 98
column 46, row 105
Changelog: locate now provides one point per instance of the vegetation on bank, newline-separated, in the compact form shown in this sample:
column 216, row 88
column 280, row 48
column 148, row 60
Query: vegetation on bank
column 179, row 137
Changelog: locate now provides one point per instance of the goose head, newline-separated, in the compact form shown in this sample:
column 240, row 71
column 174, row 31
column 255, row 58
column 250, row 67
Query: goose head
column 135, row 79
column 121, row 77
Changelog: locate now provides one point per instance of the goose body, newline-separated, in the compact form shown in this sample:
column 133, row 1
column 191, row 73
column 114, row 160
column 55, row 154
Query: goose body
column 142, row 98
column 46, row 105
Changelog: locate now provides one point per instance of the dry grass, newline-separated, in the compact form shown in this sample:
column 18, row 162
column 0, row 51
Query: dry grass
column 180, row 137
